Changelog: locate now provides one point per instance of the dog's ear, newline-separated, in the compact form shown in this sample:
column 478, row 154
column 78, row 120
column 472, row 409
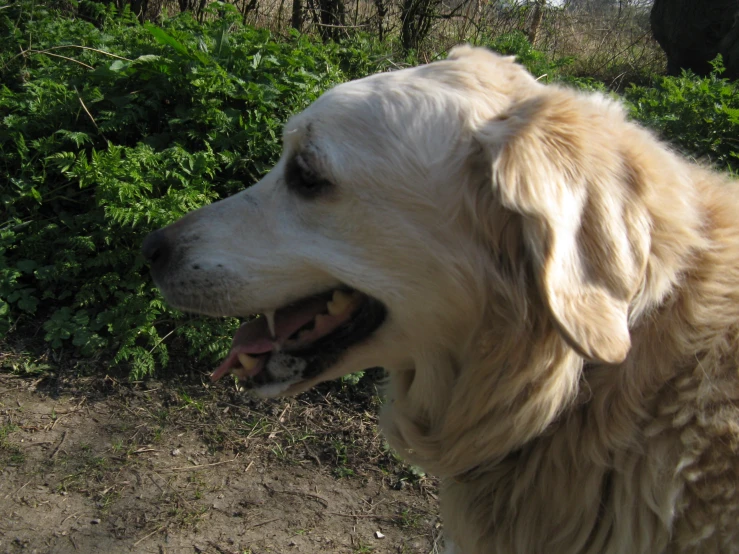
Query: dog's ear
column 556, row 163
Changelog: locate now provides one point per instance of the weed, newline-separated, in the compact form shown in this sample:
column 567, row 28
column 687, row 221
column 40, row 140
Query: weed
column 10, row 453
column 362, row 548
column 408, row 519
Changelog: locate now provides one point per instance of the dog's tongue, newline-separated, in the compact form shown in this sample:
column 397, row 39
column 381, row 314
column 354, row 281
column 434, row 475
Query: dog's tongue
column 254, row 337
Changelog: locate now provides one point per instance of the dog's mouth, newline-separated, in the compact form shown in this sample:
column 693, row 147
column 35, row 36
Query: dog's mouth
column 301, row 340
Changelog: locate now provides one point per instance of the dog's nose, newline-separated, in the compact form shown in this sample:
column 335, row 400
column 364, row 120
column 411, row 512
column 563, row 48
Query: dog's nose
column 156, row 249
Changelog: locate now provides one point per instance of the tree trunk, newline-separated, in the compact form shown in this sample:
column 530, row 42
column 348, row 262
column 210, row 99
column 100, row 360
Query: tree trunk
column 417, row 16
column 730, row 49
column 296, row 21
column 247, row 7
column 332, row 18
column 381, row 13
column 536, row 20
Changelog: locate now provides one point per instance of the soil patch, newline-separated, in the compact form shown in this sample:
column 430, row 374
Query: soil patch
column 99, row 465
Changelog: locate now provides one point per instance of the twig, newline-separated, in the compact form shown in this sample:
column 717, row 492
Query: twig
column 340, row 26
column 221, row 549
column 300, row 493
column 71, row 515
column 364, row 516
column 145, row 450
column 57, row 420
column 161, row 340
column 56, row 450
column 19, row 490
column 186, row 468
column 261, row 523
column 83, row 64
column 84, row 107
column 273, row 434
column 149, row 535
column 157, row 484
column 88, row 48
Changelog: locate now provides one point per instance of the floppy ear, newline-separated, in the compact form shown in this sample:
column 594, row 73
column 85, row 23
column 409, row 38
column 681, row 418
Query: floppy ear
column 557, row 161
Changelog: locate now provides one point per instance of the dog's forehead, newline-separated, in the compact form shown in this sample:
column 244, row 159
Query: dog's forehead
column 377, row 111
column 354, row 100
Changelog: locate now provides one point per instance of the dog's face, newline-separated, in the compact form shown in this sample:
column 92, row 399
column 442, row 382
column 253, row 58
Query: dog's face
column 360, row 248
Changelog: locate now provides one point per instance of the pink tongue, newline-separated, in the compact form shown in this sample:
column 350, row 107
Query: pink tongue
column 254, row 337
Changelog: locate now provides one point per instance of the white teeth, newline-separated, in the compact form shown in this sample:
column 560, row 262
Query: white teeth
column 270, row 317
column 248, row 362
column 338, row 304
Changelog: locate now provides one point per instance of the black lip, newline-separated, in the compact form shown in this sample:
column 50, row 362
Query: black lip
column 326, row 351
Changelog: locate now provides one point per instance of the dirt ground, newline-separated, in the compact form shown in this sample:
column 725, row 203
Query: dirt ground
column 93, row 464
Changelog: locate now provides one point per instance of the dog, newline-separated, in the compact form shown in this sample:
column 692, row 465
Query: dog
column 553, row 292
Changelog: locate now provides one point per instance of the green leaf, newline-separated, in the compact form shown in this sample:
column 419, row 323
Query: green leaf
column 163, row 38
column 118, row 65
column 26, row 266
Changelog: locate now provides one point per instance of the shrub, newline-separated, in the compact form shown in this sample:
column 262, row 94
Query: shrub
column 114, row 129
column 700, row 115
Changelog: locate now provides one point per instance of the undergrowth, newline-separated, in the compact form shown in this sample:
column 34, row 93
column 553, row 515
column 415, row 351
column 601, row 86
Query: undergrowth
column 110, row 129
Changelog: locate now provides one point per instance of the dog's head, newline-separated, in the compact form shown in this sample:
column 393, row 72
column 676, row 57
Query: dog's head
column 403, row 205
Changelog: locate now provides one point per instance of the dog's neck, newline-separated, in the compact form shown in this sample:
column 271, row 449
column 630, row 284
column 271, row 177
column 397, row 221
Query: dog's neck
column 507, row 396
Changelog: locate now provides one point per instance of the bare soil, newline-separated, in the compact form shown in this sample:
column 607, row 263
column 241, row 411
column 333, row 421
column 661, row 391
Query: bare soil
column 93, row 464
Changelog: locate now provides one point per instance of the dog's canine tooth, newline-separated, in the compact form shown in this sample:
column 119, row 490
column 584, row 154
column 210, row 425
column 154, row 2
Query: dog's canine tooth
column 247, row 362
column 339, row 302
column 270, row 317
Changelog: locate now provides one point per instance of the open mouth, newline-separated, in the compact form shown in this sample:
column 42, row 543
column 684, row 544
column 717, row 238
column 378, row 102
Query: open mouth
column 301, row 340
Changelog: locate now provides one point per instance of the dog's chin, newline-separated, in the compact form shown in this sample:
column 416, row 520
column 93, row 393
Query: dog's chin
column 289, row 350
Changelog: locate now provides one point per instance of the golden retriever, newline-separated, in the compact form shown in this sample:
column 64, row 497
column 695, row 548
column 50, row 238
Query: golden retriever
column 553, row 293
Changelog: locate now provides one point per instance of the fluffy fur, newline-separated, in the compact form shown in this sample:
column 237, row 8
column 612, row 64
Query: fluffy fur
column 563, row 296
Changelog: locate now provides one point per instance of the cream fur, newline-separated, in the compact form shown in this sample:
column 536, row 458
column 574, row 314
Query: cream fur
column 563, row 295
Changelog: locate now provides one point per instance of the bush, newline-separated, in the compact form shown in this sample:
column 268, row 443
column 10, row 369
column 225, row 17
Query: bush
column 700, row 115
column 113, row 129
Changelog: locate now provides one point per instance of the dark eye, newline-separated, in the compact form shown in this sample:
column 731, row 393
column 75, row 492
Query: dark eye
column 302, row 179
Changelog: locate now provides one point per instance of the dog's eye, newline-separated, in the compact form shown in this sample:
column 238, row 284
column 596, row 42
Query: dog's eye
column 302, row 179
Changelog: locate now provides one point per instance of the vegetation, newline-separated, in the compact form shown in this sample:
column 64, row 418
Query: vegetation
column 110, row 128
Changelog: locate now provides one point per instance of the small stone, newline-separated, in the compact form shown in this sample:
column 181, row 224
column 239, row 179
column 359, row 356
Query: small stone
column 176, row 452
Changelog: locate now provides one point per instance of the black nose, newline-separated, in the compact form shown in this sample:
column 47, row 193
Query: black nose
column 156, row 249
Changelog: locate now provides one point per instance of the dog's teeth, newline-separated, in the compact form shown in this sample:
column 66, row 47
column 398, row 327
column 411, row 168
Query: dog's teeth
column 339, row 302
column 270, row 317
column 248, row 362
